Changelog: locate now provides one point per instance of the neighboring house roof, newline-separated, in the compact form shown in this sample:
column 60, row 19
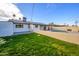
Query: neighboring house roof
column 38, row 23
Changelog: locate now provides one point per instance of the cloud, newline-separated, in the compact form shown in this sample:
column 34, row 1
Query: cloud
column 8, row 9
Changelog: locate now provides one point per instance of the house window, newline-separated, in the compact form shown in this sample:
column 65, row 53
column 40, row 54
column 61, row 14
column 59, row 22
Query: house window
column 36, row 26
column 19, row 25
column 28, row 25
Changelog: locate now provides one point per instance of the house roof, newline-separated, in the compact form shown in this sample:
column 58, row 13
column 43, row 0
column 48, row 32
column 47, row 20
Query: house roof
column 27, row 22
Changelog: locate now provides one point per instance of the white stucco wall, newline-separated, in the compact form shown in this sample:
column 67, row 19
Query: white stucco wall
column 36, row 28
column 42, row 27
column 24, row 29
column 6, row 28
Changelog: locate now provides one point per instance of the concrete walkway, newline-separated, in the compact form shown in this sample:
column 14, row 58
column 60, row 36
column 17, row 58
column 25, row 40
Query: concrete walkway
column 25, row 32
column 69, row 37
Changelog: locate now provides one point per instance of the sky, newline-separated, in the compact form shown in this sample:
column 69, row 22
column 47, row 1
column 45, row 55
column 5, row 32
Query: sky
column 7, row 10
column 58, row 13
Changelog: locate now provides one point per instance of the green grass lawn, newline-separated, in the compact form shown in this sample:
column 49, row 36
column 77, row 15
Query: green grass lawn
column 36, row 44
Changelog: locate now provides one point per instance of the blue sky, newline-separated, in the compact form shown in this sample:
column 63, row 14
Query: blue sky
column 47, row 13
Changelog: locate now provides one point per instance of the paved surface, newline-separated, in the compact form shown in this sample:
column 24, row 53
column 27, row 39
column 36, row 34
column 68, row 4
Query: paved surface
column 69, row 37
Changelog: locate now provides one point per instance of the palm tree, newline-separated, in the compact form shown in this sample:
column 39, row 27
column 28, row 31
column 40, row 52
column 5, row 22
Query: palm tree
column 19, row 18
column 14, row 16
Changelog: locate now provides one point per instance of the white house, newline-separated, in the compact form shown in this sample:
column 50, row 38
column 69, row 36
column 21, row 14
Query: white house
column 8, row 28
column 13, row 22
column 11, row 27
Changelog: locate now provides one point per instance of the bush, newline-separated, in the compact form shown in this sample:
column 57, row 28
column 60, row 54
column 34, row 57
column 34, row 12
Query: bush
column 69, row 30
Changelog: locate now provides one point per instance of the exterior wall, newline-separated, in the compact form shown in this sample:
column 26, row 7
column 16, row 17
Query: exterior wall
column 6, row 28
column 24, row 29
column 31, row 27
column 42, row 27
column 47, row 28
column 9, row 28
column 50, row 27
column 36, row 28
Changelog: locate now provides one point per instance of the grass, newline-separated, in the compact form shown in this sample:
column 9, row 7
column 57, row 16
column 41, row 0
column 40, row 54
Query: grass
column 36, row 45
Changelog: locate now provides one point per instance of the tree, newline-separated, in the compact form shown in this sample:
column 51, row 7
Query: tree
column 51, row 23
column 76, row 22
column 14, row 15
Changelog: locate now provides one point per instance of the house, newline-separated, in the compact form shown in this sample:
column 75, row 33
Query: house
column 13, row 22
column 11, row 27
column 8, row 28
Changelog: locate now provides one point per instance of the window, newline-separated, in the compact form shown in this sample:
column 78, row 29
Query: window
column 28, row 25
column 19, row 25
column 36, row 26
